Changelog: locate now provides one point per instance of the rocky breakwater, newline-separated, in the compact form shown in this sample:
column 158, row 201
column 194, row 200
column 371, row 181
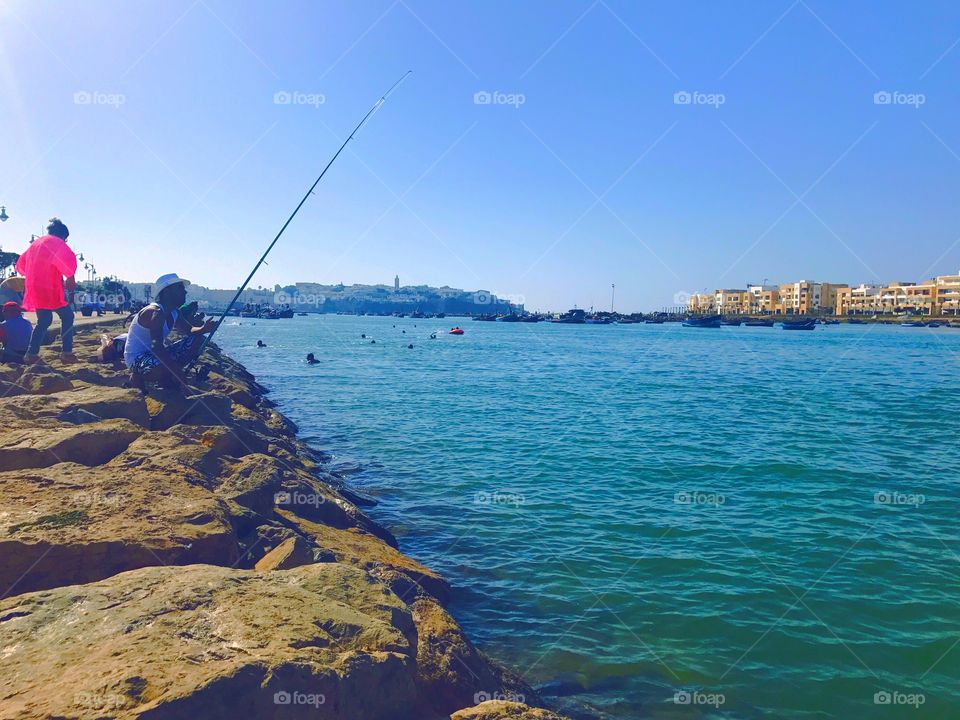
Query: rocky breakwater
column 172, row 556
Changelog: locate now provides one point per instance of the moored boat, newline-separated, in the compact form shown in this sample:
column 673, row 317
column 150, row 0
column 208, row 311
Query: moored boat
column 707, row 321
column 731, row 322
column 758, row 322
column 799, row 324
column 913, row 323
column 571, row 317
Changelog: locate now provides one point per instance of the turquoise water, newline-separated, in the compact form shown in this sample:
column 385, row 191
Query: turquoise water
column 630, row 512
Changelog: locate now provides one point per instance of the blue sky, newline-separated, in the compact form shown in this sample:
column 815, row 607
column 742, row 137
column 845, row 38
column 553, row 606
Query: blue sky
column 152, row 129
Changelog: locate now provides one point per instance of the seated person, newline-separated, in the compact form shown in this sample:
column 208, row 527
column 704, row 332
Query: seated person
column 111, row 348
column 146, row 353
column 15, row 332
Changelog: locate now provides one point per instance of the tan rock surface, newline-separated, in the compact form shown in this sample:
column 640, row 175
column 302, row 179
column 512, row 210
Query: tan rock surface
column 210, row 642
column 504, row 710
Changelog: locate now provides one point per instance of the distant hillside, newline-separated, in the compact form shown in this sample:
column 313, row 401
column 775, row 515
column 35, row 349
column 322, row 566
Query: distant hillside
column 314, row 297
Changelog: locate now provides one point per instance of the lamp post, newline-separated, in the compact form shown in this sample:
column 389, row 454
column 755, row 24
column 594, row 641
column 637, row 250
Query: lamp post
column 613, row 292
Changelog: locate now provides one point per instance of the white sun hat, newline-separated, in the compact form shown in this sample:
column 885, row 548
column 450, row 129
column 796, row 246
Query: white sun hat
column 165, row 281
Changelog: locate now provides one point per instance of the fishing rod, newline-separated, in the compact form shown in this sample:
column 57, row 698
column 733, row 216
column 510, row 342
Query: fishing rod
column 370, row 112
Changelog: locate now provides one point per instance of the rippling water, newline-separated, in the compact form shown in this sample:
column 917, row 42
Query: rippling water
column 745, row 515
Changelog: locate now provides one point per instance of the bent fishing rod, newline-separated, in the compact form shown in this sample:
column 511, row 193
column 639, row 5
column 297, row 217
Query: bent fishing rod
column 370, row 112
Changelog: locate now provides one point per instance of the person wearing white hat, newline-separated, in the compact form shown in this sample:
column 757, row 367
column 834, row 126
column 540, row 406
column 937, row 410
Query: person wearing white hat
column 146, row 353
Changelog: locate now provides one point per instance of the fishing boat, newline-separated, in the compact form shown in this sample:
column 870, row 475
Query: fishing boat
column 758, row 322
column 530, row 318
column 269, row 314
column 416, row 314
column 599, row 320
column 934, row 324
column 486, row 318
column 829, row 322
column 512, row 317
column 913, row 323
column 286, row 313
column 856, row 321
column 799, row 324
column 733, row 322
column 571, row 317
column 653, row 321
column 707, row 321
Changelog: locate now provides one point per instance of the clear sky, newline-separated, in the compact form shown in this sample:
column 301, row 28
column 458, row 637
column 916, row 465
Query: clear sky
column 155, row 130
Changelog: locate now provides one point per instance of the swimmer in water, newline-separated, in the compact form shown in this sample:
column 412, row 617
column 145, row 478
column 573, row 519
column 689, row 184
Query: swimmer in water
column 261, row 344
column 311, row 360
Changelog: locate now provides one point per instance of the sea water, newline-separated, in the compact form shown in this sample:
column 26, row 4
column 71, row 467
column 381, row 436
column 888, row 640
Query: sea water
column 657, row 521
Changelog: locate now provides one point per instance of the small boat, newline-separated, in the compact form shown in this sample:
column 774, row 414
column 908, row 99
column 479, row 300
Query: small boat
column 416, row 314
column 286, row 313
column 829, row 322
column 456, row 331
column 758, row 322
column 599, row 320
column 530, row 318
column 799, row 324
column 934, row 324
column 731, row 323
column 486, row 318
column 856, row 321
column 653, row 321
column 572, row 317
column 440, row 315
column 913, row 323
column 708, row 321
column 512, row 317
column 302, row 314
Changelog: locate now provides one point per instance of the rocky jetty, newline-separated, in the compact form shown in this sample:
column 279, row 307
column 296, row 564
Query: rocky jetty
column 186, row 556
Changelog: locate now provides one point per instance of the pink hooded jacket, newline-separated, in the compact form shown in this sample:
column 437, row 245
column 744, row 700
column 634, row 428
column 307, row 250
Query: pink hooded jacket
column 43, row 266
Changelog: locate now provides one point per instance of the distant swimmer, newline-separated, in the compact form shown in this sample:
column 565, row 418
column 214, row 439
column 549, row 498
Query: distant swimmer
column 363, row 335
column 311, row 360
column 410, row 346
column 433, row 336
column 373, row 342
column 404, row 332
column 261, row 344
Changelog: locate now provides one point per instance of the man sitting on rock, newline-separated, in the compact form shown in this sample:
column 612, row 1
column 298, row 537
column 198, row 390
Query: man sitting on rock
column 15, row 332
column 146, row 353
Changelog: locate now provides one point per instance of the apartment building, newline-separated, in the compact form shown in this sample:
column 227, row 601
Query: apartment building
column 948, row 294
column 808, row 298
column 732, row 302
column 764, row 299
column 702, row 303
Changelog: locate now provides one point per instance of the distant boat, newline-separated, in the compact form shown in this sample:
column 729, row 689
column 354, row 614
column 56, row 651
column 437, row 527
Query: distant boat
column 758, row 322
column 913, row 323
column 440, row 315
column 302, row 314
column 572, row 317
column 653, row 321
column 829, row 322
column 512, row 317
column 456, row 331
column 530, row 318
column 486, row 318
column 799, row 324
column 856, row 321
column 416, row 314
column 286, row 313
column 934, row 324
column 731, row 323
column 599, row 320
column 707, row 321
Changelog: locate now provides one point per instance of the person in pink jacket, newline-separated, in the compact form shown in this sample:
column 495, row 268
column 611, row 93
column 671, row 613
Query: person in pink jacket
column 44, row 266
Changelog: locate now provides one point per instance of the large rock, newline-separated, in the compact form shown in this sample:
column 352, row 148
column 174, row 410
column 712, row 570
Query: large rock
column 504, row 710
column 450, row 671
column 71, row 524
column 89, row 444
column 323, row 641
column 292, row 552
column 87, row 404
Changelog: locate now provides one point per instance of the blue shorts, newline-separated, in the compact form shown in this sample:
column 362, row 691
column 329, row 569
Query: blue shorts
column 179, row 351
